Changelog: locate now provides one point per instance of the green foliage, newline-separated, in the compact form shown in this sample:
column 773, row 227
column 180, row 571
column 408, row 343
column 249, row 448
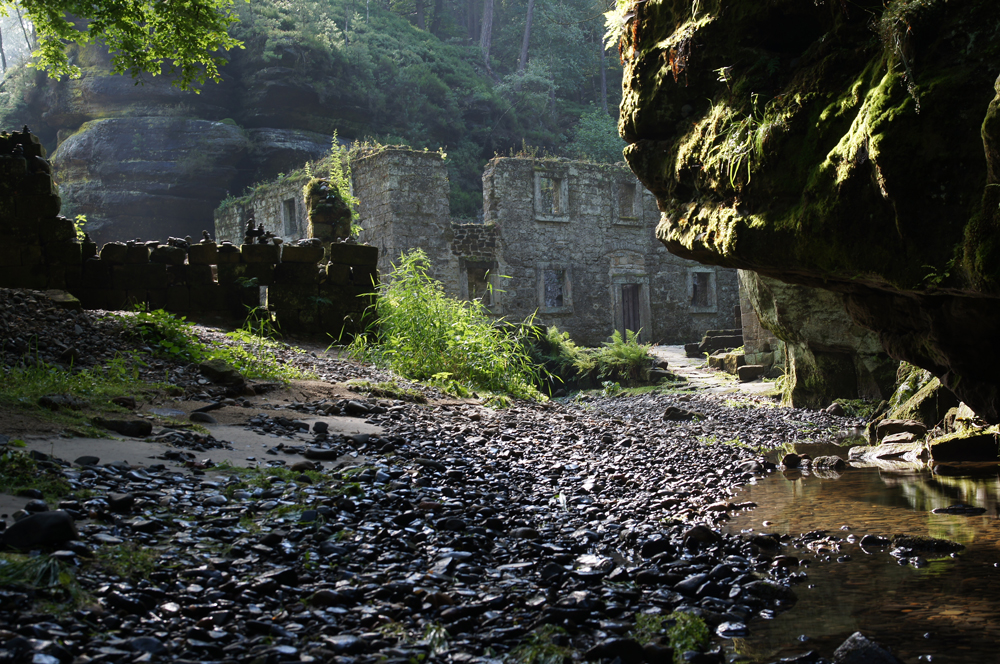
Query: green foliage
column 387, row 390
column 251, row 352
column 596, row 138
column 128, row 560
column 39, row 573
column 144, row 37
column 624, row 358
column 857, row 408
column 745, row 141
column 421, row 333
column 168, row 335
column 23, row 385
column 685, row 631
column 560, row 356
column 18, row 471
column 545, row 645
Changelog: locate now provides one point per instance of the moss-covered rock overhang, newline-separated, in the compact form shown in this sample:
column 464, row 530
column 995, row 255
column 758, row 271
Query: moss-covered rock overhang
column 852, row 145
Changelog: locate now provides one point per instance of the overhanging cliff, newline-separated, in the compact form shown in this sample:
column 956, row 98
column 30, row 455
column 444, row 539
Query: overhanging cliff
column 849, row 146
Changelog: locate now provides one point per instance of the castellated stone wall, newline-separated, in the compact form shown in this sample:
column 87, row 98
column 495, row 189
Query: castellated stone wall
column 310, row 287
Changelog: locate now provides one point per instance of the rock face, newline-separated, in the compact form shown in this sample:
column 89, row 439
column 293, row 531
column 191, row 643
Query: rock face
column 829, row 355
column 151, row 161
column 788, row 139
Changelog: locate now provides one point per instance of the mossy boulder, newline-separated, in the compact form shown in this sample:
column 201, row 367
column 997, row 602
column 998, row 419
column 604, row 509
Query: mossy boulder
column 970, row 445
column 788, row 138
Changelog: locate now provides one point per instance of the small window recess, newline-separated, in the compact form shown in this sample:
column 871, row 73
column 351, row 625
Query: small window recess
column 288, row 217
column 554, row 290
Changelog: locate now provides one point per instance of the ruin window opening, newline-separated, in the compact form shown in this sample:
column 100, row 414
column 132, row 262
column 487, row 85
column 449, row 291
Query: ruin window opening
column 551, row 190
column 478, row 280
column 627, row 192
column 555, row 282
column 701, row 290
column 288, row 217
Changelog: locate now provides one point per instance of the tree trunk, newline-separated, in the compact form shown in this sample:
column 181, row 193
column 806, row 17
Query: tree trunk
column 604, row 77
column 527, row 37
column 21, row 21
column 421, row 23
column 3, row 56
column 486, row 34
column 438, row 17
column 472, row 23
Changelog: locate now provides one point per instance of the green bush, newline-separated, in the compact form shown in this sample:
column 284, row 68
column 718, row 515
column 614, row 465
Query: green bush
column 624, row 359
column 621, row 359
column 423, row 334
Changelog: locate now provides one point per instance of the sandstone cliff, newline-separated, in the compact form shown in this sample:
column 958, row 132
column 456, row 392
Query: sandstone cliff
column 850, row 146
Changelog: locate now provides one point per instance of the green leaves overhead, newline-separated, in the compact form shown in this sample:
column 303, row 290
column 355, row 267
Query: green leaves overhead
column 179, row 37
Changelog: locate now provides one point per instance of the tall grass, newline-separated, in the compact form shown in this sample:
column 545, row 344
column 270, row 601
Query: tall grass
column 423, row 334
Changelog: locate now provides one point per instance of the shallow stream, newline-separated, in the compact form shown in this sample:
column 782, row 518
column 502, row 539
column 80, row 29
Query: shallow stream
column 946, row 611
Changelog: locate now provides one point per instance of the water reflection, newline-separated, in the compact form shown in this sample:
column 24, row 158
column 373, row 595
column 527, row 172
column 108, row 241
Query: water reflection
column 954, row 601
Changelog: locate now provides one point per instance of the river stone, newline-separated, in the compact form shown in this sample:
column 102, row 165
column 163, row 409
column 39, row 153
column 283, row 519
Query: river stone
column 221, row 373
column 41, row 529
column 626, row 651
column 131, row 428
column 889, row 427
column 858, row 649
column 829, row 462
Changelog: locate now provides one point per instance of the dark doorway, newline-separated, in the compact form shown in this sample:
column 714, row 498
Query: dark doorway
column 630, row 307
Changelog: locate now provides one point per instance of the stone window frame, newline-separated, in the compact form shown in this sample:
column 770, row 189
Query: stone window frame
column 567, row 291
column 560, row 178
column 631, row 217
column 465, row 264
column 713, row 305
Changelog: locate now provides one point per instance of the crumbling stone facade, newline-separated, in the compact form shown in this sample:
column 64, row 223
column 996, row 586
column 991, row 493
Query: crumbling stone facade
column 570, row 242
column 280, row 207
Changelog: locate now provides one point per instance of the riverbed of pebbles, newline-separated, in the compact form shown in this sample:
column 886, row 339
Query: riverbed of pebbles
column 459, row 534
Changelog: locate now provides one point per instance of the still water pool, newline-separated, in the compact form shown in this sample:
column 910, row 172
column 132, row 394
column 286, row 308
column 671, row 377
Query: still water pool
column 947, row 611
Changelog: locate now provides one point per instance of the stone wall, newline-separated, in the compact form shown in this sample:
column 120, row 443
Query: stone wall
column 403, row 204
column 41, row 251
column 576, row 240
column 280, row 208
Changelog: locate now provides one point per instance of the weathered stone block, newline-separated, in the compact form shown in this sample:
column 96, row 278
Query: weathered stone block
column 260, row 253
column 137, row 253
column 40, row 205
column 24, row 276
column 178, row 299
column 227, row 253
column 157, row 298
column 297, row 254
column 10, row 254
column 31, row 254
column 296, row 273
column 338, row 273
column 97, row 274
column 199, row 274
column 749, row 372
column 296, row 297
column 64, row 253
column 206, row 297
column 114, row 253
column 203, row 254
column 168, row 255
column 135, row 297
column 353, row 254
column 89, row 250
column 116, row 299
column 57, row 229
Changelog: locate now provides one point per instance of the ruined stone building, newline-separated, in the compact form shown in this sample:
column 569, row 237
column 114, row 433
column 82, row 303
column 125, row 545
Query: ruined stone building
column 570, row 242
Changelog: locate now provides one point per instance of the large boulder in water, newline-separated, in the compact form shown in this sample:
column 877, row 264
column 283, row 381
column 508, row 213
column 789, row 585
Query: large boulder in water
column 853, row 147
